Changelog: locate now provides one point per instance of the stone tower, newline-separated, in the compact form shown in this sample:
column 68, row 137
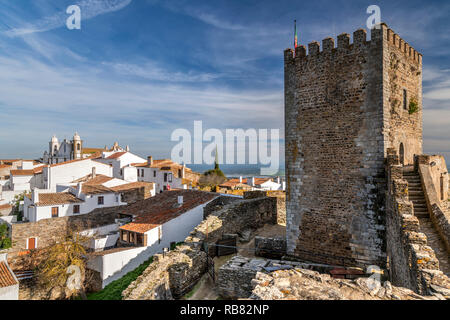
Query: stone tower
column 344, row 107
column 77, row 146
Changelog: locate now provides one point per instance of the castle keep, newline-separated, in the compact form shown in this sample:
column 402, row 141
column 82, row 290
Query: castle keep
column 345, row 106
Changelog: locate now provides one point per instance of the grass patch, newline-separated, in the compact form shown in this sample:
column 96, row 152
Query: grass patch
column 113, row 291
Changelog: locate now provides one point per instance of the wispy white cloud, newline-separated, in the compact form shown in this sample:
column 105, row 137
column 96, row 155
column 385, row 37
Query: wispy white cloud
column 150, row 70
column 89, row 10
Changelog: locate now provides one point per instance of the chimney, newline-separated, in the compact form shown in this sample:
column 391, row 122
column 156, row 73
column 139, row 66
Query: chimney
column 240, row 179
column 180, row 200
column 183, row 172
column 253, row 181
column 278, row 180
column 94, row 171
column 79, row 189
column 150, row 160
column 127, row 149
column 35, row 196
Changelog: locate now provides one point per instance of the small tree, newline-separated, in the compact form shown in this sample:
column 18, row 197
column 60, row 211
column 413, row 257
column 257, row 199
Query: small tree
column 64, row 265
column 5, row 241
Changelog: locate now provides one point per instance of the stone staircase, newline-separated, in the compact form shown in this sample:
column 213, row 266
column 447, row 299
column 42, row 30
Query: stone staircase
column 416, row 194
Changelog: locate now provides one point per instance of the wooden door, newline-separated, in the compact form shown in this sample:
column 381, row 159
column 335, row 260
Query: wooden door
column 31, row 243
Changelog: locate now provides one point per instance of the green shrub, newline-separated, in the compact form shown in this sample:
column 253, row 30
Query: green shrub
column 413, row 105
column 113, row 291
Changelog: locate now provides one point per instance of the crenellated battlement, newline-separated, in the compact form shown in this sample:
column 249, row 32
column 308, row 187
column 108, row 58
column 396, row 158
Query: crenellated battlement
column 329, row 48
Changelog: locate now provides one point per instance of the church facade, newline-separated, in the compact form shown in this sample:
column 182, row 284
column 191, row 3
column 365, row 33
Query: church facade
column 65, row 151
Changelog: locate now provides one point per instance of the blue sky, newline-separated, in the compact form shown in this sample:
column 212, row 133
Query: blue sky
column 139, row 69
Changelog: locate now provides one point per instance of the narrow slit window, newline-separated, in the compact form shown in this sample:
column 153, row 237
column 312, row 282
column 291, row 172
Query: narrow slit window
column 405, row 100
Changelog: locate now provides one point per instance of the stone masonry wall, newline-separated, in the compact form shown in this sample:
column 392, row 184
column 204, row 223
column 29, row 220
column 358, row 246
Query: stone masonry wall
column 402, row 70
column 335, row 151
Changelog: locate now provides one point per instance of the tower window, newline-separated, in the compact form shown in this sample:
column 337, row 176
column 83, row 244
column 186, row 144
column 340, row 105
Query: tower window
column 78, row 147
column 405, row 99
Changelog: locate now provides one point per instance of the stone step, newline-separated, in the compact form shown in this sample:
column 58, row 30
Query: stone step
column 420, row 205
column 412, row 179
column 414, row 185
column 410, row 174
column 413, row 192
column 421, row 215
column 416, row 196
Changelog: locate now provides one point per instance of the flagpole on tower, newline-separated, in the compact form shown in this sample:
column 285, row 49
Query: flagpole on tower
column 295, row 36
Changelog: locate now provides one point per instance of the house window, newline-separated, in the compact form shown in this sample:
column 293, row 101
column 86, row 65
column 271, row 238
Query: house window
column 55, row 212
column 101, row 200
column 124, row 236
column 170, row 177
column 76, row 209
column 32, row 243
column 154, row 174
column 165, row 177
column 121, row 172
column 405, row 100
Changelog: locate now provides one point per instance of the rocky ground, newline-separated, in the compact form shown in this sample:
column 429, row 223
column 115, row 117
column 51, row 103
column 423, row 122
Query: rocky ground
column 301, row 284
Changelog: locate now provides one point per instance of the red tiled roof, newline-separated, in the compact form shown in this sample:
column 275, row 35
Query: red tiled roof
column 51, row 199
column 38, row 170
column 5, row 206
column 2, row 166
column 234, row 182
column 116, row 155
column 98, row 180
column 131, row 186
column 163, row 207
column 96, row 189
column 6, row 276
column 22, row 172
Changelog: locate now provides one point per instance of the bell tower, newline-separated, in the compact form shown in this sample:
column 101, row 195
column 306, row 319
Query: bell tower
column 77, row 144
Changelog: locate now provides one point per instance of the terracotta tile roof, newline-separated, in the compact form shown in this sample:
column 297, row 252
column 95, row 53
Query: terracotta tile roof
column 51, row 199
column 5, row 206
column 22, row 172
column 6, row 277
column 92, row 150
column 116, row 155
column 145, row 164
column 131, row 186
column 95, row 189
column 3, row 166
column 163, row 207
column 38, row 170
column 235, row 182
column 98, row 180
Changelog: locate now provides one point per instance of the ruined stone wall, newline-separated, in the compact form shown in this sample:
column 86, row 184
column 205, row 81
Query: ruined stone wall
column 335, row 151
column 412, row 263
column 402, row 70
column 272, row 248
column 138, row 194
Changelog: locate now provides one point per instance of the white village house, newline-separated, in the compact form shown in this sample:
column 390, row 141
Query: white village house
column 153, row 224
column 9, row 285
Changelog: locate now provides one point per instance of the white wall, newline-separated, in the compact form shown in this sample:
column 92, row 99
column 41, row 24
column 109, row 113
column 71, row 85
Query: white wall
column 66, row 173
column 21, row 183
